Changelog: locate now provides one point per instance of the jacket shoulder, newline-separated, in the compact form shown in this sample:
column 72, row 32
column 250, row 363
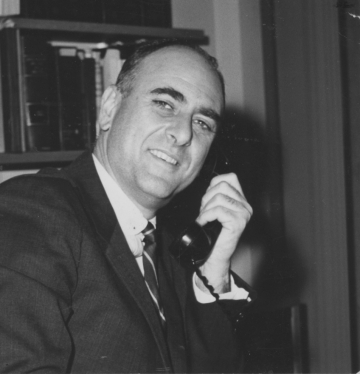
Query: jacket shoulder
column 41, row 230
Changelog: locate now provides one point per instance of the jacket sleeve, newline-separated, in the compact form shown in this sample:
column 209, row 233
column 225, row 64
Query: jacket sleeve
column 215, row 333
column 37, row 276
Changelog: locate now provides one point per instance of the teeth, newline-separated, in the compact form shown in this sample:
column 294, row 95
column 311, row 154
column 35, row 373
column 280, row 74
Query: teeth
column 164, row 157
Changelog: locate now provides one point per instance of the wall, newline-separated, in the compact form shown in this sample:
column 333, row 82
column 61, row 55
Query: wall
column 311, row 120
column 234, row 32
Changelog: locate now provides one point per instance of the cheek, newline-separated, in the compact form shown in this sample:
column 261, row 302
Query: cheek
column 120, row 138
column 201, row 150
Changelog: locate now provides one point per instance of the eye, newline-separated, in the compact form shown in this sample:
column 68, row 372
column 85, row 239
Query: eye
column 204, row 126
column 162, row 104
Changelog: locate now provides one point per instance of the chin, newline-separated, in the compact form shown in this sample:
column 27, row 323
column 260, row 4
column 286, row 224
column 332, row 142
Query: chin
column 161, row 193
column 159, row 188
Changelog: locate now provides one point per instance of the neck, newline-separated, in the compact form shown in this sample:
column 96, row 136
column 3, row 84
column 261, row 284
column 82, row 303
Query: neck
column 147, row 206
column 146, row 212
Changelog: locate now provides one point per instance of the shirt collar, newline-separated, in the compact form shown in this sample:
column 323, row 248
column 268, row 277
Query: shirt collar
column 129, row 216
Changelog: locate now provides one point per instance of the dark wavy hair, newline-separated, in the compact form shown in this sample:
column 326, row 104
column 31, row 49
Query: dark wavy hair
column 131, row 65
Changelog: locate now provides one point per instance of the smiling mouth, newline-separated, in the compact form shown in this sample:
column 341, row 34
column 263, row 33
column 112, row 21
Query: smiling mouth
column 163, row 157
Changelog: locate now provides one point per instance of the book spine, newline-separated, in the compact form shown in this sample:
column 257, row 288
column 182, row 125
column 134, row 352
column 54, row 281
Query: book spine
column 71, row 10
column 36, row 8
column 2, row 134
column 10, row 66
column 68, row 85
column 88, row 95
column 125, row 12
column 21, row 91
column 39, row 122
column 156, row 13
column 99, row 81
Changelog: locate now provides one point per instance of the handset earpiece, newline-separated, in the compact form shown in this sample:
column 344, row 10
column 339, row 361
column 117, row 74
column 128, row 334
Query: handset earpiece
column 195, row 243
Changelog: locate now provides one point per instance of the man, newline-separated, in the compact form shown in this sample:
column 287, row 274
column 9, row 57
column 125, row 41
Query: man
column 72, row 259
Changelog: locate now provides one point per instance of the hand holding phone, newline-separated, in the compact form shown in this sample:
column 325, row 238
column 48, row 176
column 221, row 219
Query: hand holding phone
column 224, row 211
column 224, row 201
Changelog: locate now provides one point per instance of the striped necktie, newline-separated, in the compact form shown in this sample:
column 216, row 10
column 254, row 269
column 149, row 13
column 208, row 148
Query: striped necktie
column 150, row 265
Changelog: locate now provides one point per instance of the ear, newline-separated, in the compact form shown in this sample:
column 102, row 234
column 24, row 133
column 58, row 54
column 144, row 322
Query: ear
column 109, row 101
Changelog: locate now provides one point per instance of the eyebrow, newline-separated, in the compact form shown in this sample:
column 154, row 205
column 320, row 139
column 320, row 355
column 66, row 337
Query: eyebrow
column 176, row 95
column 210, row 113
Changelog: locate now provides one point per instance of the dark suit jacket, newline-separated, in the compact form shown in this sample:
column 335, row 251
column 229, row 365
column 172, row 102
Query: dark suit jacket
column 73, row 298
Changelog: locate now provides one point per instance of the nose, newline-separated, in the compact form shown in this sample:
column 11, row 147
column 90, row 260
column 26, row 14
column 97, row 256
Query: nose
column 180, row 132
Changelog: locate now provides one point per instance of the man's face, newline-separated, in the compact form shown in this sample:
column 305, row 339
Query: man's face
column 161, row 132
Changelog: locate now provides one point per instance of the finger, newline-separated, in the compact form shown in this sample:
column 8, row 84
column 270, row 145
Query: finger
column 230, row 178
column 223, row 188
column 236, row 204
column 229, row 219
column 221, row 202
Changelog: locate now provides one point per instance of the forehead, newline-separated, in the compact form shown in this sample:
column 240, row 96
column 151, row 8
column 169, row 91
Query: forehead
column 183, row 68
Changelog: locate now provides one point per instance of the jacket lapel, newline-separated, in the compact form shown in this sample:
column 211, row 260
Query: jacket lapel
column 127, row 269
column 113, row 243
column 174, row 311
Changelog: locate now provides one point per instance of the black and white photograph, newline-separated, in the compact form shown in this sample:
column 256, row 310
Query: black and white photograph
column 179, row 186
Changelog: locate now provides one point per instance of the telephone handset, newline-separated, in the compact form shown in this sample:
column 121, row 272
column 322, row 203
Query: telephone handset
column 194, row 243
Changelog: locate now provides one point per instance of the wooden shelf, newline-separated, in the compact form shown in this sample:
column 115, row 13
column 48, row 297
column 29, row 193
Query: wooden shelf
column 37, row 158
column 102, row 32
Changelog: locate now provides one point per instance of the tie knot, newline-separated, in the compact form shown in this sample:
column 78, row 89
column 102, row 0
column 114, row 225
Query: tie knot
column 149, row 234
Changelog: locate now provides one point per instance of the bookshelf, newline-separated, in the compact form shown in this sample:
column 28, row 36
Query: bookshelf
column 103, row 32
column 83, row 32
column 37, row 158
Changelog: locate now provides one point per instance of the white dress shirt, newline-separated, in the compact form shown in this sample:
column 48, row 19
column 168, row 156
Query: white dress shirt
column 132, row 223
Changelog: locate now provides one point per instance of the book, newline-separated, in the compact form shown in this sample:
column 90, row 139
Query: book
column 76, row 10
column 29, row 110
column 124, row 12
column 89, row 83
column 2, row 134
column 36, row 8
column 70, row 10
column 99, row 81
column 156, row 13
column 37, row 95
column 88, row 98
column 69, row 100
column 11, row 74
